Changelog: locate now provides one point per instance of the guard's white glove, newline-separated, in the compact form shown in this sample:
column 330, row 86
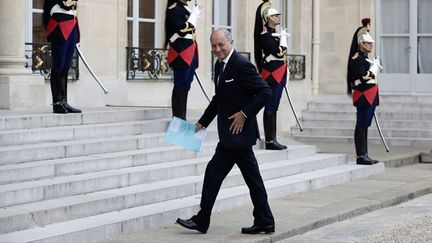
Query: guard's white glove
column 376, row 65
column 283, row 42
column 193, row 18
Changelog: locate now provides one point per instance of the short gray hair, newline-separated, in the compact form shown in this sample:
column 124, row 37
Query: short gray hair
column 226, row 32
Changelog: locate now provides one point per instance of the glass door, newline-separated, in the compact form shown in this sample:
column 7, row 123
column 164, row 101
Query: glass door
column 423, row 41
column 404, row 43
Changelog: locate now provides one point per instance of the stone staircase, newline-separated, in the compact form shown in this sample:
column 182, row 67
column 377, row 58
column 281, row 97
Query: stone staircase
column 92, row 176
column 404, row 120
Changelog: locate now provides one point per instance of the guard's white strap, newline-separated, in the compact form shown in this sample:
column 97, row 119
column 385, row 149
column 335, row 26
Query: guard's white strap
column 358, row 82
column 58, row 9
column 176, row 36
column 274, row 58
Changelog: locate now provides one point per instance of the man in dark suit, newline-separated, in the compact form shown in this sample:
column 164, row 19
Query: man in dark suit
column 240, row 94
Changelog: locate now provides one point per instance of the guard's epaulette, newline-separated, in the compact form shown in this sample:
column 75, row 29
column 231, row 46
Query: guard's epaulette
column 355, row 56
column 172, row 6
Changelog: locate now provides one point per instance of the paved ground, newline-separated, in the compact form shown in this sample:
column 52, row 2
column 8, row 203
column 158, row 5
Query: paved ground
column 305, row 212
column 406, row 222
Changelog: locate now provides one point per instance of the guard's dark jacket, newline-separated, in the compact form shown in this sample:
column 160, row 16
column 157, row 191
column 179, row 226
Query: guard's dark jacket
column 240, row 89
column 272, row 71
column 365, row 88
column 182, row 50
column 59, row 25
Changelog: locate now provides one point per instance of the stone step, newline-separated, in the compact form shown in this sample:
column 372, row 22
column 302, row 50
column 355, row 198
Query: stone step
column 33, row 170
column 50, row 188
column 401, row 124
column 384, row 99
column 391, row 141
column 46, row 151
column 372, row 132
column 326, row 114
column 21, row 217
column 85, row 164
column 393, row 107
column 78, row 132
column 26, row 120
column 105, row 226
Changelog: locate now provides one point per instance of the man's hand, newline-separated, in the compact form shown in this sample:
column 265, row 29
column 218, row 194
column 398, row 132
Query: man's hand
column 198, row 127
column 238, row 122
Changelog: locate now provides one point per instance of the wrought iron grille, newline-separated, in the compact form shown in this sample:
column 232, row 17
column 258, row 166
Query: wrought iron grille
column 147, row 64
column 297, row 65
column 38, row 57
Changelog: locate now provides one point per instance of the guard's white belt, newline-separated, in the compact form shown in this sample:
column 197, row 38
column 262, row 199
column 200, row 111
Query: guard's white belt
column 274, row 58
column 358, row 82
column 176, row 36
column 58, row 9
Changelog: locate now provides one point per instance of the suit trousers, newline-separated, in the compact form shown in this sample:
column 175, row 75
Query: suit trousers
column 218, row 168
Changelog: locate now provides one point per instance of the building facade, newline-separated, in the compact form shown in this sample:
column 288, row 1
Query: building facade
column 123, row 42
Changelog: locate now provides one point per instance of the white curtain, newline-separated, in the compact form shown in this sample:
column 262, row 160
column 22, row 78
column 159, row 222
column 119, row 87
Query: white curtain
column 424, row 43
column 395, row 48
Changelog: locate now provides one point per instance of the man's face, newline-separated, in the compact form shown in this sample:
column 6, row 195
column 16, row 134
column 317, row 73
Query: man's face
column 366, row 47
column 274, row 19
column 220, row 44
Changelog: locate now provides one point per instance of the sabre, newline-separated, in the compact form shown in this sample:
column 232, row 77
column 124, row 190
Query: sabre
column 292, row 107
column 380, row 133
column 202, row 87
column 90, row 69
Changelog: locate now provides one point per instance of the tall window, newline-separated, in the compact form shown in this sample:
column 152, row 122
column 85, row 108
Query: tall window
column 143, row 23
column 424, row 36
column 223, row 15
column 35, row 31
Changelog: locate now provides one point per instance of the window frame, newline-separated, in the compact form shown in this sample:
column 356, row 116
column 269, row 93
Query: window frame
column 136, row 20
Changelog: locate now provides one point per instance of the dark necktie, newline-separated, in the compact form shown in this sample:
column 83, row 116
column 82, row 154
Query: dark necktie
column 220, row 70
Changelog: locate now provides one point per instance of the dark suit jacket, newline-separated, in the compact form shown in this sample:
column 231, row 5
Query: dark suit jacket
column 240, row 88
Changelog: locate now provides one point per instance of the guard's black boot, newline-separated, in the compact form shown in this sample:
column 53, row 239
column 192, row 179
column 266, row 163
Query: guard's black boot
column 55, row 81
column 269, row 119
column 365, row 137
column 179, row 103
column 360, row 140
column 63, row 94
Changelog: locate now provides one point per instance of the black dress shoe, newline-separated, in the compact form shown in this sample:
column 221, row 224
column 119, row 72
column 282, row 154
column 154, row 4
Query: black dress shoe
column 255, row 229
column 190, row 224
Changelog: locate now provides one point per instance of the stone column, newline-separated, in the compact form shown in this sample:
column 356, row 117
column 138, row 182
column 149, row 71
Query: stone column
column 18, row 87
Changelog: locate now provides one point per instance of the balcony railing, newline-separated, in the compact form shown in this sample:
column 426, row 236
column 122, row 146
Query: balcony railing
column 152, row 64
column 147, row 64
column 38, row 57
column 297, row 66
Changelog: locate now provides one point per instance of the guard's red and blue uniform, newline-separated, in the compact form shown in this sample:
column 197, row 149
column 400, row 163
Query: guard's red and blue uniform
column 365, row 89
column 274, row 68
column 63, row 32
column 183, row 49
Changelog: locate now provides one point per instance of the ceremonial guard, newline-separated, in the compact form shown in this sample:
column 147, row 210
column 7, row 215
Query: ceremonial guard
column 180, row 24
column 362, row 86
column 270, row 51
column 62, row 30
